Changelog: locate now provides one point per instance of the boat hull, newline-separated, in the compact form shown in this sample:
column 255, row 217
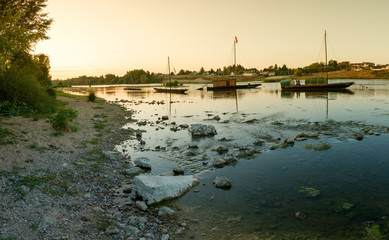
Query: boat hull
column 248, row 86
column 168, row 90
column 132, row 89
column 325, row 87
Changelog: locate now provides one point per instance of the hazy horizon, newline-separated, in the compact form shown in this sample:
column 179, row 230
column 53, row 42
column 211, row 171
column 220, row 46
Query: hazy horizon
column 97, row 37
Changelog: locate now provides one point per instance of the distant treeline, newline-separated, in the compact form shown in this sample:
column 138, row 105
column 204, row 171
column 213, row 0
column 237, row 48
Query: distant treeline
column 132, row 77
column 140, row 76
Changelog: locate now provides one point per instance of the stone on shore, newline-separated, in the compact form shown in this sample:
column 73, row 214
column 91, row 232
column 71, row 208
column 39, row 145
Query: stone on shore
column 143, row 163
column 289, row 140
column 141, row 205
column 154, row 189
column 165, row 211
column 179, row 170
column 201, row 130
column 132, row 171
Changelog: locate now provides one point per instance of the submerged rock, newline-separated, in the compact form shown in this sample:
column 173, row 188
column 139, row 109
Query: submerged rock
column 310, row 192
column 218, row 162
column 222, row 182
column 154, row 189
column 193, row 145
column 202, row 130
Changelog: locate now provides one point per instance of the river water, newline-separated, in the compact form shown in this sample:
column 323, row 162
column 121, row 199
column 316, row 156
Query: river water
column 267, row 198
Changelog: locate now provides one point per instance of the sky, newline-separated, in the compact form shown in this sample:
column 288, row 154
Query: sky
column 98, row 37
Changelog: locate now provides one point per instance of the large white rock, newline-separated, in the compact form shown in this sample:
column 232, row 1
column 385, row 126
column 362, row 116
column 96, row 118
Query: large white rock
column 154, row 189
column 202, row 130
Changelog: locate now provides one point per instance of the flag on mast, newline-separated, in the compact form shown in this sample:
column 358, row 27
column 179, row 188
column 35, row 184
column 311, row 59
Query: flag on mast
column 236, row 39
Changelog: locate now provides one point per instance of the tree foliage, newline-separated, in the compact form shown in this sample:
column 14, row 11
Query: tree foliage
column 131, row 77
column 22, row 25
column 24, row 77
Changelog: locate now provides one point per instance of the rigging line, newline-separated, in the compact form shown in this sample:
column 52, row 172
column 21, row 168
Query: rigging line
column 228, row 60
column 332, row 50
column 242, row 56
column 320, row 54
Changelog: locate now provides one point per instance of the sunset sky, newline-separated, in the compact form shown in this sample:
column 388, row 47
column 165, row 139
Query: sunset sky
column 96, row 37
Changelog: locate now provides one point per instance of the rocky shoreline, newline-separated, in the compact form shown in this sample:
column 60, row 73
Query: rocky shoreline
column 75, row 186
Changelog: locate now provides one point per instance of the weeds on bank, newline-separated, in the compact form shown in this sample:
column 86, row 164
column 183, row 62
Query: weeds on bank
column 64, row 120
column 92, row 97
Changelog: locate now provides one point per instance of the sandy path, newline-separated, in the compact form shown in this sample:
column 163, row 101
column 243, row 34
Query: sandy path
column 35, row 142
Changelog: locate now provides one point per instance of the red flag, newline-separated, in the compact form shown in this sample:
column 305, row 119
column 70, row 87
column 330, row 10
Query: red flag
column 236, row 39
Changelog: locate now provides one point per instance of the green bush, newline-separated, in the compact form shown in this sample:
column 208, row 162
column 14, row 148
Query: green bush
column 51, row 92
column 91, row 97
column 63, row 120
column 14, row 108
column 21, row 87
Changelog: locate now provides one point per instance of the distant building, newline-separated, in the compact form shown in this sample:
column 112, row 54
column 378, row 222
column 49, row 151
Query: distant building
column 344, row 63
column 267, row 73
column 249, row 74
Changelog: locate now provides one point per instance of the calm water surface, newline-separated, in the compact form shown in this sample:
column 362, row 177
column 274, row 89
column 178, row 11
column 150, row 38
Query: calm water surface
column 265, row 201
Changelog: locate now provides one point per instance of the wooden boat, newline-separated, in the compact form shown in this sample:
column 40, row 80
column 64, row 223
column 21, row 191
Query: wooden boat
column 314, row 84
column 231, row 83
column 320, row 85
column 132, row 89
column 217, row 85
column 170, row 89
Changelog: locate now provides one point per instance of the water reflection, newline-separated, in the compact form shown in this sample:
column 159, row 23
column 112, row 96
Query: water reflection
column 264, row 197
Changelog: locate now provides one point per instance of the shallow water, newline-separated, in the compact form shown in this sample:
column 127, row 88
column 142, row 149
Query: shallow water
column 265, row 195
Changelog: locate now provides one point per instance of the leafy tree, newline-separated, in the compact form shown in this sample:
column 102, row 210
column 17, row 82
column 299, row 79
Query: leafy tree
column 201, row 72
column 22, row 25
column 298, row 72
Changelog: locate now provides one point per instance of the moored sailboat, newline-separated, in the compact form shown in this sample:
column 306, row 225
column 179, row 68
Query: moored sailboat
column 170, row 89
column 226, row 84
column 314, row 84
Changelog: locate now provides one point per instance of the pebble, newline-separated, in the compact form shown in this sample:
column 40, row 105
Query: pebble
column 141, row 205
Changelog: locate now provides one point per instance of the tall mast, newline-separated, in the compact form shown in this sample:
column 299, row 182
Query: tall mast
column 168, row 66
column 325, row 45
column 235, row 40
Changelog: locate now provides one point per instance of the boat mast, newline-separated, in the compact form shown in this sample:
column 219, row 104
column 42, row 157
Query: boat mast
column 325, row 46
column 235, row 40
column 168, row 66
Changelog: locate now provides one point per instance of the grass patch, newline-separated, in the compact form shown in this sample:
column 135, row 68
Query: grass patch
column 94, row 141
column 6, row 137
column 36, row 147
column 52, row 183
column 103, row 223
column 57, row 133
column 319, row 146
